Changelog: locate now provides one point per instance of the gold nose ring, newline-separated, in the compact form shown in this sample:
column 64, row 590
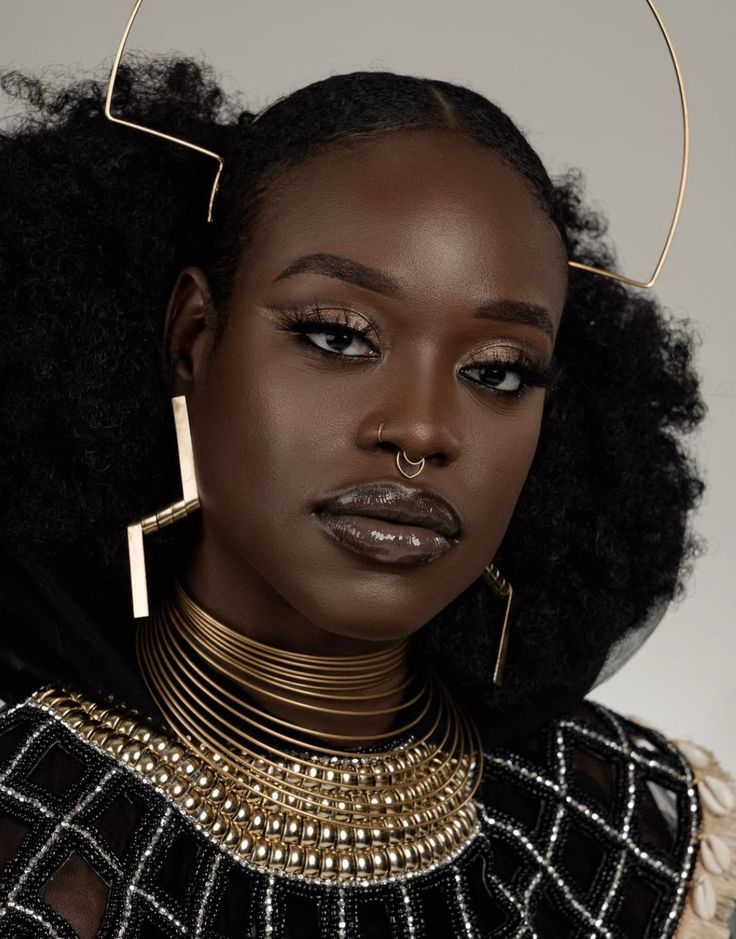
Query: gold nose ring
column 399, row 454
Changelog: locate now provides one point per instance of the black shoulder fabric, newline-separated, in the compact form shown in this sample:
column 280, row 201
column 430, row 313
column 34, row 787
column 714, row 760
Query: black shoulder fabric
column 570, row 843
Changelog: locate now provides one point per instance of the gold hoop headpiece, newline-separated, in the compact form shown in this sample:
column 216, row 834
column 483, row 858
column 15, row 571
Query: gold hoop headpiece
column 576, row 264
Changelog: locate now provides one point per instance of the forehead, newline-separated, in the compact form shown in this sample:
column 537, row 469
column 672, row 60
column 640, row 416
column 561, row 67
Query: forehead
column 445, row 215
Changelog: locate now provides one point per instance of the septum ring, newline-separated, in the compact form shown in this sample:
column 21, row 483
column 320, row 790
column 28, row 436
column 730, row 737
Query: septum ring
column 399, row 454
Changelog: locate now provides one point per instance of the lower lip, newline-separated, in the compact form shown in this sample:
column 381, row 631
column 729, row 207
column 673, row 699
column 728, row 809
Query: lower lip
column 383, row 541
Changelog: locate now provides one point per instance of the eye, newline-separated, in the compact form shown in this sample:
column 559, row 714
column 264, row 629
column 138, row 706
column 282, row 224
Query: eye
column 341, row 340
column 511, row 377
column 336, row 332
column 496, row 375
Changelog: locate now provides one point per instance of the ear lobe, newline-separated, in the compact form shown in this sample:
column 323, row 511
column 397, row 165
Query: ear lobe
column 185, row 325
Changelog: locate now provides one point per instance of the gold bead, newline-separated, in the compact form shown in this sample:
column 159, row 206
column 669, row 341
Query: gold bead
column 292, row 828
column 295, row 860
column 126, row 726
column 328, row 865
column 423, row 853
column 146, row 764
column 411, row 856
column 99, row 737
column 141, row 732
column 175, row 787
column 311, row 864
column 75, row 717
column 218, row 827
column 257, row 821
column 158, row 744
column 345, row 866
column 396, row 862
column 174, row 754
column 243, row 813
column 115, row 743
column 87, row 728
column 131, row 752
column 442, row 843
column 310, row 832
column 274, row 825
column 191, row 802
column 379, row 836
column 230, row 836
column 363, row 865
column 245, row 846
column 279, row 856
column 327, row 835
column 379, row 858
column 217, row 794
column 261, row 852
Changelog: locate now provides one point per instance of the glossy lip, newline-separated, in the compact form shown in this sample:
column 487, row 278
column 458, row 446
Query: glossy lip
column 390, row 523
column 395, row 502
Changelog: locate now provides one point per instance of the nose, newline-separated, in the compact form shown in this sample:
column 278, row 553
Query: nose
column 416, row 415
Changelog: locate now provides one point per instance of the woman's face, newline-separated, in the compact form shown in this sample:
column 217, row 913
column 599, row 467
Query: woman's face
column 447, row 282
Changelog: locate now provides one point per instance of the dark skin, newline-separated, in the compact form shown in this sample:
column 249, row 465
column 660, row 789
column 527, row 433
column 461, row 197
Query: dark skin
column 277, row 425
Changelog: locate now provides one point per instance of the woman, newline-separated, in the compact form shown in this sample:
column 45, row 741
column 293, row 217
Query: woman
column 402, row 405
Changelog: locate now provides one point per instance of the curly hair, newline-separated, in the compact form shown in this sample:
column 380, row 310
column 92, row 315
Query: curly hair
column 97, row 222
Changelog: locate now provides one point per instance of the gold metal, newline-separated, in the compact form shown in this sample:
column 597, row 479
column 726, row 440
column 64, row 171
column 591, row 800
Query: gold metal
column 149, row 130
column 575, row 264
column 388, row 832
column 419, row 463
column 683, row 174
column 502, row 588
column 166, row 516
column 364, row 796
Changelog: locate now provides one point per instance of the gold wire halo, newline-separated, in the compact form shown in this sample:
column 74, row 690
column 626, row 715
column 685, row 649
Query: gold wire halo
column 575, row 264
column 149, row 130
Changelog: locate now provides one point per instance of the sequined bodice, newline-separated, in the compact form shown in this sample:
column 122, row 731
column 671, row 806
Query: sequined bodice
column 588, row 827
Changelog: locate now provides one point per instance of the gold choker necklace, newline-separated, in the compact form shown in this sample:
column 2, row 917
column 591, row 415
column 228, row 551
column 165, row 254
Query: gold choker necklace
column 279, row 802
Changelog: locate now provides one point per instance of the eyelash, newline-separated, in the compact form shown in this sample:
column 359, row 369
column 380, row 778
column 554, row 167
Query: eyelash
column 304, row 320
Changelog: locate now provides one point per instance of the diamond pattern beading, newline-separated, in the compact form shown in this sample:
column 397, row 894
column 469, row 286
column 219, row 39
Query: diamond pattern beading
column 571, row 842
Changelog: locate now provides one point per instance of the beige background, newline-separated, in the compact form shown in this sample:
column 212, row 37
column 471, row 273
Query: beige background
column 591, row 84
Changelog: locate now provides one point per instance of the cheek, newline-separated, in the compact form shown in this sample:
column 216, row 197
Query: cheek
column 251, row 426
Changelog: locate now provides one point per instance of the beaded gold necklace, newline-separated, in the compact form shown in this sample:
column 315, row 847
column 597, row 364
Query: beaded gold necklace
column 272, row 796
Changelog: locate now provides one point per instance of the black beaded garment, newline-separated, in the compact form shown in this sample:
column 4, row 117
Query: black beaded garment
column 592, row 826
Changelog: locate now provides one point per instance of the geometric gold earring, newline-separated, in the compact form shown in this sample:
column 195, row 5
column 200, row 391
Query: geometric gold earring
column 502, row 588
column 166, row 516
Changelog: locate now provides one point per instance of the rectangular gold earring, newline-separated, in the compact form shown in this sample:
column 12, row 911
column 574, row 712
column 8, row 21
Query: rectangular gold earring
column 502, row 588
column 166, row 516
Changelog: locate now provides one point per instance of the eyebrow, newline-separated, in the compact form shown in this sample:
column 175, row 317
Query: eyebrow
column 370, row 278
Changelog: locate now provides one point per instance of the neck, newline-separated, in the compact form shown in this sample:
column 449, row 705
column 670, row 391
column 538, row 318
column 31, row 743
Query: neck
column 244, row 605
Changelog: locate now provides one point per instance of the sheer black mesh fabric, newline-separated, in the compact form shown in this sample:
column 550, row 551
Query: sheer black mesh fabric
column 587, row 828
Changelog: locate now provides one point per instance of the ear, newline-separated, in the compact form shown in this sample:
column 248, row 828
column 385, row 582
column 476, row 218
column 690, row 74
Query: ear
column 187, row 333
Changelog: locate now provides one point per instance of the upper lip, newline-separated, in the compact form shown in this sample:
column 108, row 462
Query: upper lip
column 395, row 502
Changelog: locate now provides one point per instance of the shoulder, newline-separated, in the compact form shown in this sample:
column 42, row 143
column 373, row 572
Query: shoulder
column 68, row 814
column 633, row 830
